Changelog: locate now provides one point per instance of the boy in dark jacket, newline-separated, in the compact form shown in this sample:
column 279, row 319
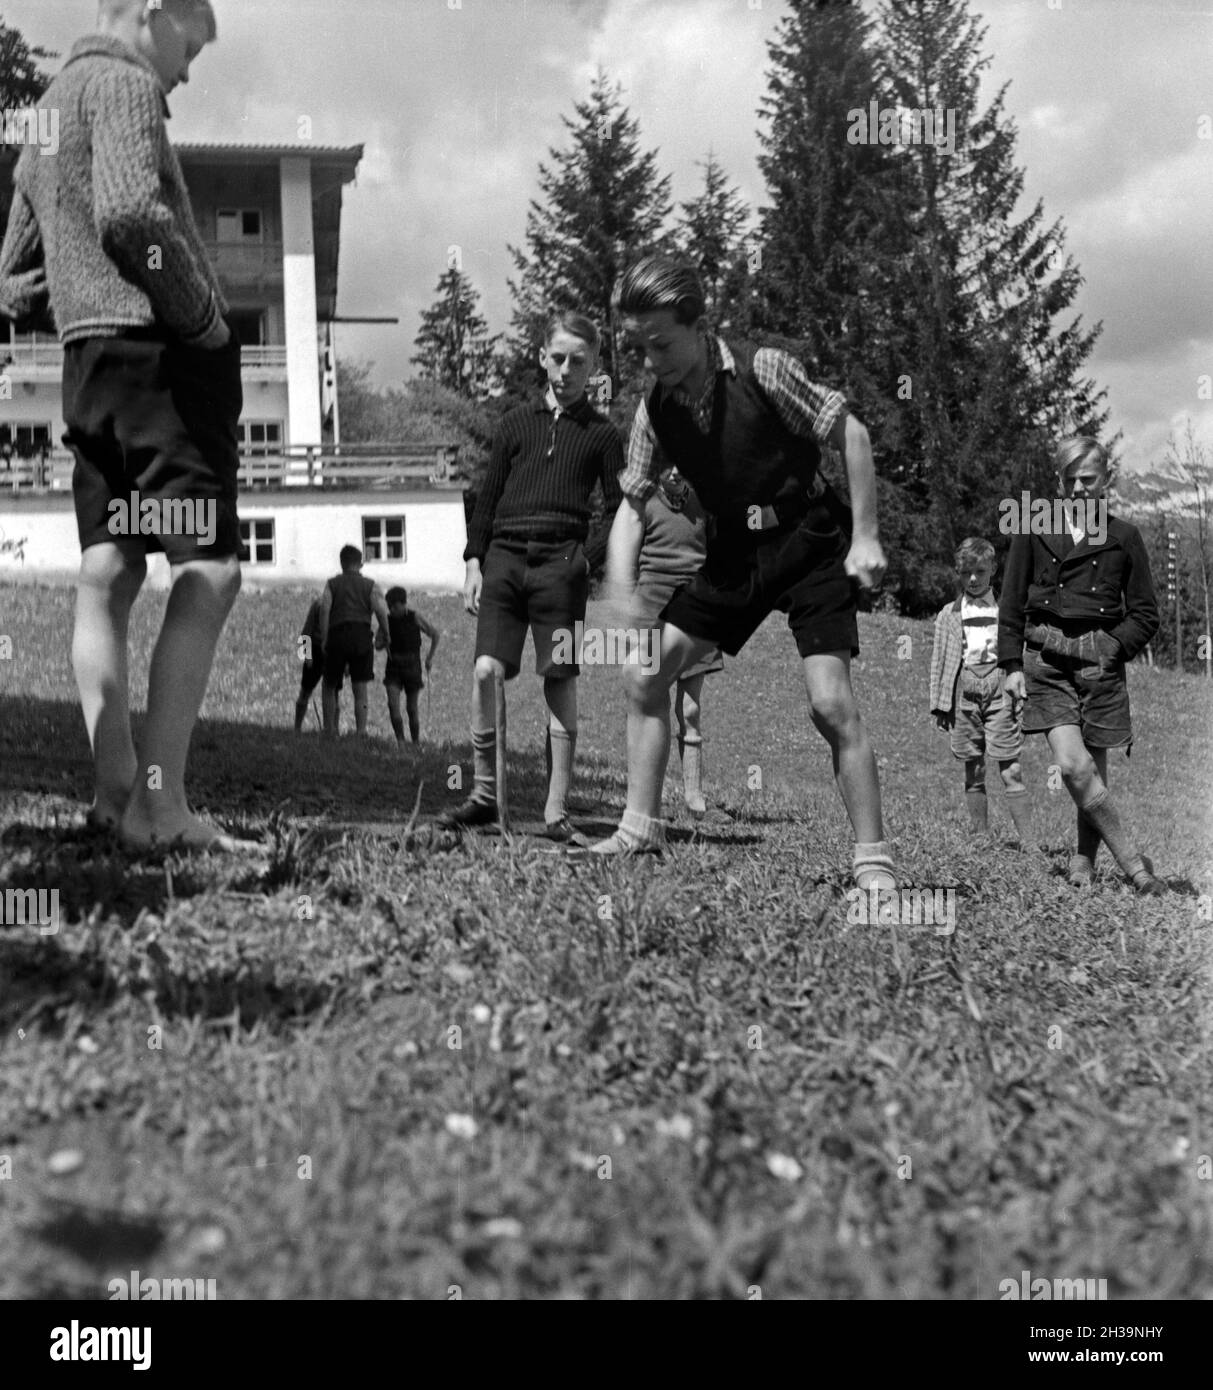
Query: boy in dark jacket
column 1077, row 604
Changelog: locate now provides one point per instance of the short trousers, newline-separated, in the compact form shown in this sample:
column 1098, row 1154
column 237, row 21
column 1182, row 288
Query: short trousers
column 986, row 721
column 1078, row 690
column 798, row 571
column 540, row 584
column 404, row 672
column 349, row 645
column 649, row 602
column 150, row 416
column 311, row 676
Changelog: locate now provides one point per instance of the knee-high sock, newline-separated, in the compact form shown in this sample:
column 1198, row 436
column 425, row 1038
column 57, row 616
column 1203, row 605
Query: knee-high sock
column 562, row 743
column 690, row 753
column 978, row 807
column 1020, row 808
column 484, row 765
column 1088, row 837
column 1101, row 812
column 397, row 727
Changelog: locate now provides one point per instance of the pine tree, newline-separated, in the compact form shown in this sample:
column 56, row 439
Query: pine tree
column 602, row 204
column 455, row 349
column 22, row 81
column 712, row 233
column 993, row 381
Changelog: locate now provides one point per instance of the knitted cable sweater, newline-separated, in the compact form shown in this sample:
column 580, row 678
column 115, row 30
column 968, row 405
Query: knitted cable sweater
column 102, row 233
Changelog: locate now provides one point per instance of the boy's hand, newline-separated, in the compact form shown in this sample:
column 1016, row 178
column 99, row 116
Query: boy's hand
column 380, row 642
column 472, row 584
column 1016, row 688
column 865, row 562
column 945, row 719
column 217, row 338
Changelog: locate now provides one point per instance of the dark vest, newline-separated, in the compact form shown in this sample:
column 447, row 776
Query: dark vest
column 406, row 636
column 748, row 458
column 351, row 599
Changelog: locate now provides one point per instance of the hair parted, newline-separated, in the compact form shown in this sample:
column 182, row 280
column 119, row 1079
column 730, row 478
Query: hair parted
column 568, row 321
column 350, row 556
column 1079, row 449
column 974, row 551
column 662, row 282
column 179, row 9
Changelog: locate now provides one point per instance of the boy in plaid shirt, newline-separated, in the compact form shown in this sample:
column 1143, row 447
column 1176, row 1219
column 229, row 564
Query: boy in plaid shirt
column 744, row 427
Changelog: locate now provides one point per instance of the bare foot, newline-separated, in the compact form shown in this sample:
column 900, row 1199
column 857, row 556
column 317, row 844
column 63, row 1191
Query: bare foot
column 184, row 831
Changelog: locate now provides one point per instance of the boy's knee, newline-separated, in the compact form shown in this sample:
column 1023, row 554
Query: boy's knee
column 832, row 709
column 488, row 668
column 1078, row 770
column 646, row 691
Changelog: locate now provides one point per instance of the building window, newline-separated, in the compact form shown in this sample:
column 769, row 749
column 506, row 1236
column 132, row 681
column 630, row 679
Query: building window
column 257, row 537
column 239, row 224
column 260, row 437
column 383, row 538
column 25, row 441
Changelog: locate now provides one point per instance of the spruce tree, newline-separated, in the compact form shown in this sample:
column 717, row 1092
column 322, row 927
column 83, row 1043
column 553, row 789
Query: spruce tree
column 602, row 204
column 454, row 347
column 712, row 233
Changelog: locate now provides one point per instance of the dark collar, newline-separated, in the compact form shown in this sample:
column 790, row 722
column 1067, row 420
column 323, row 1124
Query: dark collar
column 1063, row 546
column 106, row 46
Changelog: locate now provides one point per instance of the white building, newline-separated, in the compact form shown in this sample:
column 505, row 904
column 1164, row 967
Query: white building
column 271, row 218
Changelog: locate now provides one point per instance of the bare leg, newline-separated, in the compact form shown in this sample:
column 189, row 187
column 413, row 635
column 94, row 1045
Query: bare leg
column 649, row 716
column 393, row 713
column 360, row 698
column 414, row 713
column 202, row 596
column 330, row 703
column 109, row 583
column 836, row 715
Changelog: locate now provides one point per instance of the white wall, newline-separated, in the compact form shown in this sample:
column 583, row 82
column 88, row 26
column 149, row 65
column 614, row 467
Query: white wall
column 308, row 531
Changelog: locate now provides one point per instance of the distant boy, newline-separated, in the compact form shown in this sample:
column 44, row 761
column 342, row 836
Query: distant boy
column 529, row 557
column 404, row 662
column 745, row 428
column 348, row 603
column 1074, row 610
column 968, row 690
column 102, row 237
column 671, row 554
column 313, row 663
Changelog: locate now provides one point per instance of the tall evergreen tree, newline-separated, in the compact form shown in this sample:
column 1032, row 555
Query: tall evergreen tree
column 602, row 203
column 994, row 381
column 22, row 81
column 712, row 233
column 455, row 349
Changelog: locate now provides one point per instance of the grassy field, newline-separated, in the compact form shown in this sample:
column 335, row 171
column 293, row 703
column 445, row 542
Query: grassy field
column 379, row 1070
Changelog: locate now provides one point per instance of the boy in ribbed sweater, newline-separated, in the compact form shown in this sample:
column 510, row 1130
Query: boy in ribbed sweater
column 102, row 246
column 530, row 532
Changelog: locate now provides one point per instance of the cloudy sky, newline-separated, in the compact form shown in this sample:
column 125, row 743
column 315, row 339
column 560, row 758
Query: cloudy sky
column 457, row 101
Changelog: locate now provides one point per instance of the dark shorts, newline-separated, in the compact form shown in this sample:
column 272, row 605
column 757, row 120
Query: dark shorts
column 797, row 571
column 405, row 673
column 349, row 644
column 986, row 722
column 311, row 675
column 1077, row 690
column 650, row 601
column 542, row 585
column 158, row 419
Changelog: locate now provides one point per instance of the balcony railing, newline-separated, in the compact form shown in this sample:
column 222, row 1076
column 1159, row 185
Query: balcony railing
column 353, row 465
column 245, row 261
column 48, row 354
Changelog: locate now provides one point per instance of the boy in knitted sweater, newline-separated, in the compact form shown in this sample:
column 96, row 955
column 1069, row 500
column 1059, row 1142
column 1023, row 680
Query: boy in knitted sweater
column 102, row 246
